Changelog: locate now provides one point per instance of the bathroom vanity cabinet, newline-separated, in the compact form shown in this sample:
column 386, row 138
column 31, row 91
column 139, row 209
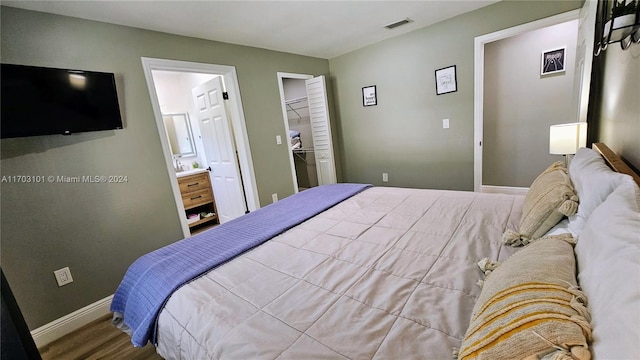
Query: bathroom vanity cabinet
column 197, row 197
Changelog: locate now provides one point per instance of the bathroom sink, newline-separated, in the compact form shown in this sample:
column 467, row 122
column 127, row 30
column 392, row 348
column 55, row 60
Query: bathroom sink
column 189, row 172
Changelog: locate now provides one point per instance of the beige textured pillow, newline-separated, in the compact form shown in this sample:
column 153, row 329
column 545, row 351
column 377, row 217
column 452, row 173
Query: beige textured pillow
column 530, row 307
column 550, row 197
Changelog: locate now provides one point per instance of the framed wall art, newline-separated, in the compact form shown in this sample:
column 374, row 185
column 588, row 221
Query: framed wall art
column 552, row 61
column 369, row 97
column 446, row 81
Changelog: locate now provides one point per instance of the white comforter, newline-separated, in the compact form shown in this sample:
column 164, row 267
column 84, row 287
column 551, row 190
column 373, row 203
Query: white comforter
column 388, row 274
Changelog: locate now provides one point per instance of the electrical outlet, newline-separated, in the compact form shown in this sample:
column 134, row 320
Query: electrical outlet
column 385, row 177
column 63, row 276
column 445, row 123
column 278, row 140
column 274, row 197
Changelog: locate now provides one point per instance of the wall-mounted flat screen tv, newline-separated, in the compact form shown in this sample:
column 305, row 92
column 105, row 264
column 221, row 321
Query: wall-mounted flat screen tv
column 44, row 101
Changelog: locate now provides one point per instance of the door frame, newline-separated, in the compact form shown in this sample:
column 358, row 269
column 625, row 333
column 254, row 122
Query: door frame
column 478, row 91
column 285, row 117
column 238, row 125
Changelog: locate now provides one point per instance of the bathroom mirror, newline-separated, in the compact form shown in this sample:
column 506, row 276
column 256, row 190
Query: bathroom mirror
column 179, row 133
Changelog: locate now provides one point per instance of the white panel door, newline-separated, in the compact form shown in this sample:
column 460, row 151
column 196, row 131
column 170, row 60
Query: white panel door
column 321, row 130
column 219, row 149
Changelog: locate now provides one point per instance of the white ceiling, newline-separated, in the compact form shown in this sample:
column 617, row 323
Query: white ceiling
column 323, row 29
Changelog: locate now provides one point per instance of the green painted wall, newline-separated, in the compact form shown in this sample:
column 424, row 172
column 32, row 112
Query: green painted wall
column 98, row 230
column 403, row 134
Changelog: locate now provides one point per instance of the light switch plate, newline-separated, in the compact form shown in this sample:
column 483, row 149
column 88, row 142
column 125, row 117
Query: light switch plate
column 278, row 139
column 445, row 123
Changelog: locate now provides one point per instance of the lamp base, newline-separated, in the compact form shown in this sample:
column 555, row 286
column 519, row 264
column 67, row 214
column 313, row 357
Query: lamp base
column 567, row 160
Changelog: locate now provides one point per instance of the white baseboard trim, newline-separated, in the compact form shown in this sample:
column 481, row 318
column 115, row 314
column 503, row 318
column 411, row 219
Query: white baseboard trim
column 68, row 323
column 504, row 190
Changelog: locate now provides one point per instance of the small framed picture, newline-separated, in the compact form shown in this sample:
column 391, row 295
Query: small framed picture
column 446, row 81
column 369, row 97
column 552, row 61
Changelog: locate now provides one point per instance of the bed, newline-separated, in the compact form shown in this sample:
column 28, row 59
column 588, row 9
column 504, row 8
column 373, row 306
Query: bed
column 362, row 272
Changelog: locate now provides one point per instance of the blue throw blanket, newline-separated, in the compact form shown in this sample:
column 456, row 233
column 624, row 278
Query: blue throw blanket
column 152, row 278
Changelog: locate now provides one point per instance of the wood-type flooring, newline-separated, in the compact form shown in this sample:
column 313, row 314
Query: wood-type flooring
column 97, row 340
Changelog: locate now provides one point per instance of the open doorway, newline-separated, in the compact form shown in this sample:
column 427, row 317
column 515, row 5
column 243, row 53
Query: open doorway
column 243, row 197
column 579, row 72
column 308, row 127
column 298, row 126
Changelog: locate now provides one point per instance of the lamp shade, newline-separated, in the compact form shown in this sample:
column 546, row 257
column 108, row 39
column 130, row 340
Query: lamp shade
column 567, row 138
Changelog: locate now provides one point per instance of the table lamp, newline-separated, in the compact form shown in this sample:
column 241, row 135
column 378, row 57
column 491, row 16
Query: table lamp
column 566, row 139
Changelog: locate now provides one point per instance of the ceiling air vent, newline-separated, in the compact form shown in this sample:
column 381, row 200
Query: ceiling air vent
column 395, row 24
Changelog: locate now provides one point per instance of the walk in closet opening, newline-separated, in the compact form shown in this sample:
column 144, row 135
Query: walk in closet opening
column 300, row 139
column 305, row 112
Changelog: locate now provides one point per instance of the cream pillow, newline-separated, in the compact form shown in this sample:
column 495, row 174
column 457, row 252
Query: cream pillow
column 550, row 197
column 608, row 255
column 530, row 307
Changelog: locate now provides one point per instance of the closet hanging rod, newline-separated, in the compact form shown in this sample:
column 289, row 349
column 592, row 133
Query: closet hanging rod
column 301, row 153
column 302, row 150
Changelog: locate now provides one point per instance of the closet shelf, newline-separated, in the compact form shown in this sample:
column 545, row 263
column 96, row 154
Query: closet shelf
column 295, row 101
column 291, row 102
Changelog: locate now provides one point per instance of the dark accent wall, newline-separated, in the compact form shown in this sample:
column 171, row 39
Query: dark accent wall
column 614, row 111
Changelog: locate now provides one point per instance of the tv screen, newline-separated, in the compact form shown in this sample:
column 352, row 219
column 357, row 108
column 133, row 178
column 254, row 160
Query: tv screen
column 43, row 101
